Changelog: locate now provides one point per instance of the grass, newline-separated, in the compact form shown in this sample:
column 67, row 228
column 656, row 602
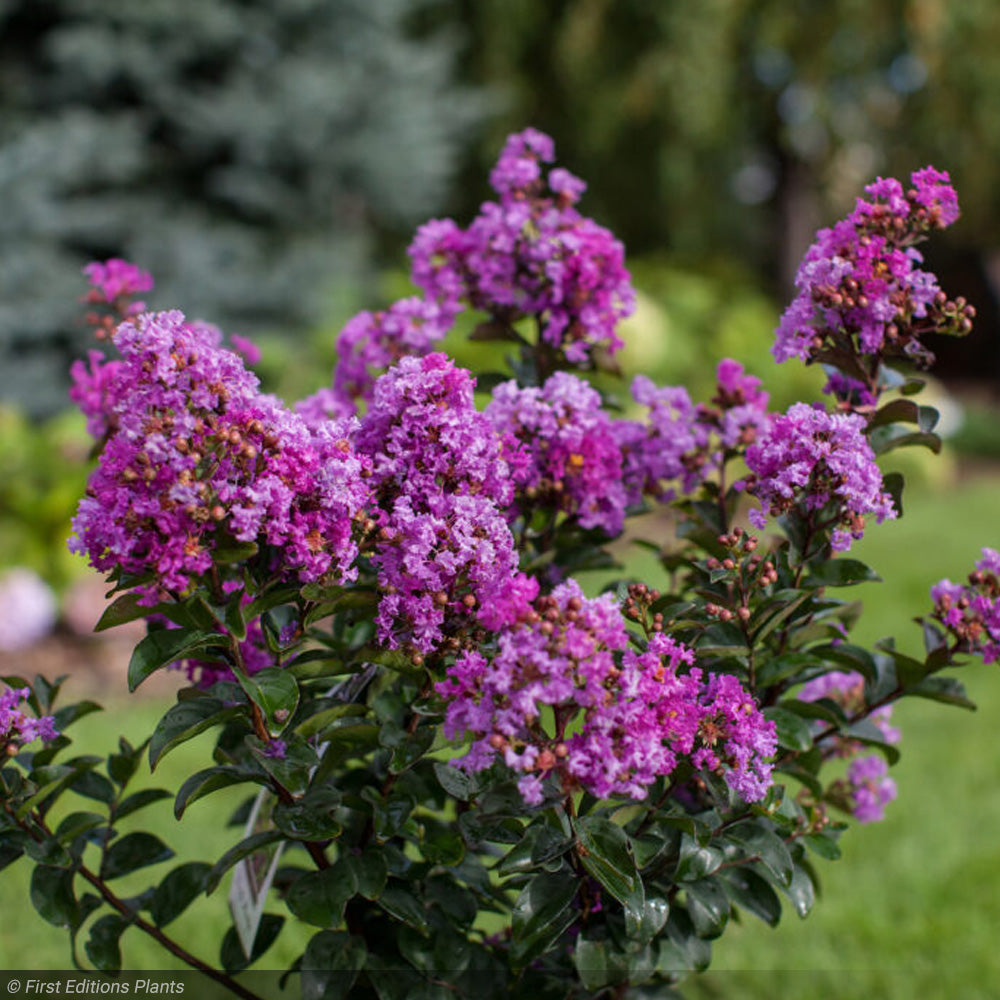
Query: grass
column 909, row 911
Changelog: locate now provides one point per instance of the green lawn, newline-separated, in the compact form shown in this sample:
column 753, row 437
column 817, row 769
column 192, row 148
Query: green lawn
column 912, row 909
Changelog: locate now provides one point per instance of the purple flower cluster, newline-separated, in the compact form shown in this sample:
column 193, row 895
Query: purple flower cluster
column 657, row 451
column 868, row 788
column 679, row 444
column 114, row 282
column 440, row 484
column 531, row 254
column 16, row 728
column 29, row 609
column 572, row 459
column 197, row 454
column 860, row 286
column 971, row 612
column 809, row 459
column 633, row 716
column 372, row 342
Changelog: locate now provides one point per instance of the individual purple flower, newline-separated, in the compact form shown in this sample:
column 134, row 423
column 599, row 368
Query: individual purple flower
column 372, row 342
column 861, row 290
column 531, row 254
column 622, row 719
column 573, row 461
column 815, row 461
column 17, row 728
column 28, row 609
column 870, row 788
column 245, row 347
column 440, row 480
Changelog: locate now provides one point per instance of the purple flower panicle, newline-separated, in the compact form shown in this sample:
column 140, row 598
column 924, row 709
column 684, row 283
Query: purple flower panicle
column 531, row 254
column 970, row 612
column 809, row 459
column 633, row 715
column 572, row 459
column 17, row 728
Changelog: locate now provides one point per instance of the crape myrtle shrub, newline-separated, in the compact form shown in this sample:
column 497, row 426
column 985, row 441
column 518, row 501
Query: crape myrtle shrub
column 489, row 782
column 246, row 150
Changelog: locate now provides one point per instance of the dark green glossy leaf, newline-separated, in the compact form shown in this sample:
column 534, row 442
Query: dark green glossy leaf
column 177, row 891
column 400, row 903
column 165, row 646
column 52, row 895
column 826, row 847
column 65, row 717
column 315, row 724
column 275, row 693
column 319, row 897
column 133, row 851
column 800, row 891
column 203, row 783
column 643, row 925
column 605, row 852
column 456, row 782
column 598, row 964
column 123, row 609
column 410, row 749
column 753, row 893
column 759, row 842
column 186, row 720
column 696, row 861
column 708, row 907
column 76, row 823
column 331, row 964
column 309, row 818
column 840, row 573
column 948, row 690
column 249, row 845
column 139, row 800
column 370, row 872
column 542, row 913
column 792, row 730
column 231, row 955
column 103, row 947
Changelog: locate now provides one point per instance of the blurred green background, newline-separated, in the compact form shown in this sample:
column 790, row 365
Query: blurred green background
column 268, row 160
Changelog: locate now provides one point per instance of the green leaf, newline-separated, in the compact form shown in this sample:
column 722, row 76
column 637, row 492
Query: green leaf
column 792, row 730
column 598, row 964
column 605, row 852
column 892, row 436
column 840, row 573
column 125, row 608
column 753, row 893
column 331, row 964
column 644, row 925
column 708, row 907
column 203, row 783
column 165, row 646
column 133, row 851
column 696, row 861
column 400, row 903
column 457, row 783
column 317, row 722
column 65, row 717
column 826, row 847
column 139, row 800
column 948, row 690
column 233, row 552
column 231, row 955
column 542, row 913
column 801, row 891
column 249, row 845
column 103, row 947
column 177, row 891
column 186, row 720
column 52, row 895
column 76, row 823
column 757, row 841
column 370, row 871
column 409, row 750
column 309, row 818
column 276, row 693
column 319, row 897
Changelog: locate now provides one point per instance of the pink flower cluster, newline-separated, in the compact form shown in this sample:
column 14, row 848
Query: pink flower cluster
column 16, row 728
column 868, row 788
column 441, row 483
column 197, row 455
column 971, row 612
column 860, row 285
column 115, row 281
column 630, row 716
column 818, row 462
column 531, row 254
column 572, row 461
